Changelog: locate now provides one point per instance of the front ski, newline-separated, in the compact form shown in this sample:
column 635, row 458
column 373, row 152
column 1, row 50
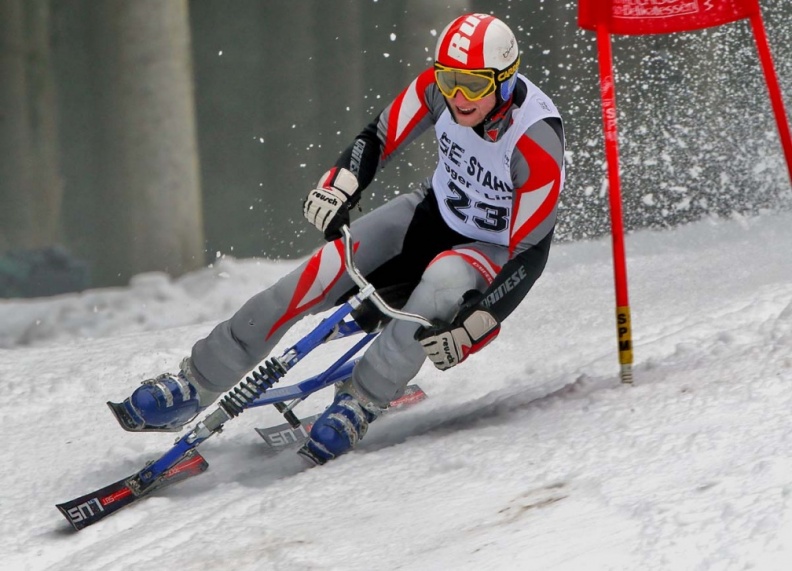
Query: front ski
column 287, row 435
column 90, row 508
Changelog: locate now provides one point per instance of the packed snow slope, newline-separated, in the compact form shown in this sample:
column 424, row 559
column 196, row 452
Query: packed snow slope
column 531, row 455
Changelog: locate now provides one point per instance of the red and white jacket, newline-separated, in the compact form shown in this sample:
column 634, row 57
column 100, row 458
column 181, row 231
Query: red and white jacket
column 497, row 183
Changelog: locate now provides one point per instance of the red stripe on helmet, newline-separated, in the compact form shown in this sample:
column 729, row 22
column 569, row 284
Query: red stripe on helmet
column 462, row 45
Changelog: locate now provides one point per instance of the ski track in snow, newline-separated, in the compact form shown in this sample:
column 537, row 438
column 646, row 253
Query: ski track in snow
column 532, row 455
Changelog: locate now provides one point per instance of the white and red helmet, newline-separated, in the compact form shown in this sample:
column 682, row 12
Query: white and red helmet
column 478, row 42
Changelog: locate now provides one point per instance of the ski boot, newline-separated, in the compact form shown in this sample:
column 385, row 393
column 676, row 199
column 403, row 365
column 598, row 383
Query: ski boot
column 163, row 404
column 340, row 427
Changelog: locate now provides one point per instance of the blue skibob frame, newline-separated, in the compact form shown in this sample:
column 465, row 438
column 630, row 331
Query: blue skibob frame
column 335, row 326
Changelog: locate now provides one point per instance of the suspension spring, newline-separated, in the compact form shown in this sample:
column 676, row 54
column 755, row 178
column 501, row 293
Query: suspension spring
column 252, row 387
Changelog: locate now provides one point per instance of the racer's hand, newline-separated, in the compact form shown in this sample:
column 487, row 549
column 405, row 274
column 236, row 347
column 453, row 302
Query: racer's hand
column 327, row 206
column 448, row 344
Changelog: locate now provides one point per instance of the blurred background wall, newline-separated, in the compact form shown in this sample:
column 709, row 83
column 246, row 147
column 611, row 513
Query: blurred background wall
column 160, row 134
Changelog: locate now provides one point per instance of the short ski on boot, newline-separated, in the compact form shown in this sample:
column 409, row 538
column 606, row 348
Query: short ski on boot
column 286, row 435
column 90, row 508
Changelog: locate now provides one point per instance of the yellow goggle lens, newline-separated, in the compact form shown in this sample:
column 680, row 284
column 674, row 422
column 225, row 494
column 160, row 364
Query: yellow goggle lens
column 474, row 84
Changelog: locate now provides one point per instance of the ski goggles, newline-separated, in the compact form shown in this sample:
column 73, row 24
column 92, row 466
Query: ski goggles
column 474, row 84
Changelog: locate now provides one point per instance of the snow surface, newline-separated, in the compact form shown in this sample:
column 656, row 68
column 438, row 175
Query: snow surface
column 531, row 455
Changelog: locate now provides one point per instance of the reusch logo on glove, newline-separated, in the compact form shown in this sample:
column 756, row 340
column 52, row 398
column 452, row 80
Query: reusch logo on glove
column 450, row 355
column 325, row 198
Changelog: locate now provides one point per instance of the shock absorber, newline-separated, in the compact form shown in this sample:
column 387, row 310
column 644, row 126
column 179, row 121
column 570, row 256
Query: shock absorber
column 252, row 387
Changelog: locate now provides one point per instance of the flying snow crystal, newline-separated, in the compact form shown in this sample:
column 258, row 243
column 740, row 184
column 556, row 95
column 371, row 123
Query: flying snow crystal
column 393, row 37
column 220, row 53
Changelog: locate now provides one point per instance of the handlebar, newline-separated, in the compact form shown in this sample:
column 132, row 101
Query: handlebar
column 368, row 290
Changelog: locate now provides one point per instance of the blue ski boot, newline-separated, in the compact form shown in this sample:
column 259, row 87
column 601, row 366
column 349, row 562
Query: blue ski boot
column 163, row 404
column 340, row 427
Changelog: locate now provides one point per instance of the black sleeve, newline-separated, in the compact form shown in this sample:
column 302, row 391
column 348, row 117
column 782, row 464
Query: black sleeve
column 362, row 157
column 516, row 279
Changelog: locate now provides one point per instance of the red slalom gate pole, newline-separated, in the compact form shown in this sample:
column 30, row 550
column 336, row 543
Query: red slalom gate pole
column 608, row 94
column 765, row 56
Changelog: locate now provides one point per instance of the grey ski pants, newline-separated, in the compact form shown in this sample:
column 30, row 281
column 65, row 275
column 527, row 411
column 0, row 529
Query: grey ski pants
column 381, row 237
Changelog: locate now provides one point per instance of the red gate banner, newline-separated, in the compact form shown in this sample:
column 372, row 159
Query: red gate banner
column 634, row 17
column 638, row 17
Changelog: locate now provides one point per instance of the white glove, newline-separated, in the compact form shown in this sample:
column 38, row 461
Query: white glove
column 450, row 344
column 327, row 206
